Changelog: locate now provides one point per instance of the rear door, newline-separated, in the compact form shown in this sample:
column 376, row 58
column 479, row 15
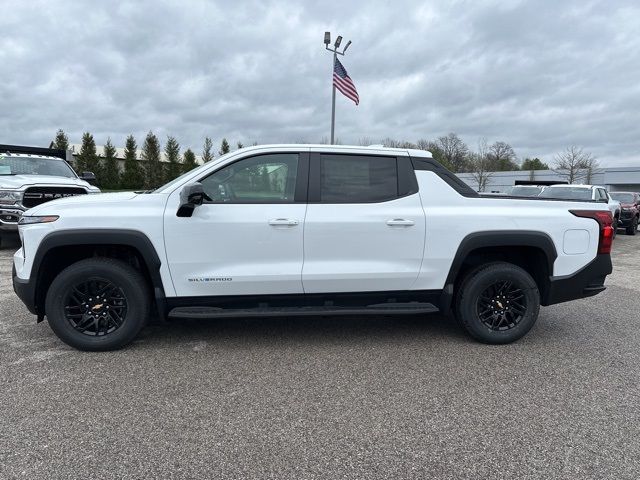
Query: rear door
column 365, row 225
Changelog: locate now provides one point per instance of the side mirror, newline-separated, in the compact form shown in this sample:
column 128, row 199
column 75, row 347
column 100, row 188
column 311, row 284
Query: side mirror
column 88, row 177
column 191, row 196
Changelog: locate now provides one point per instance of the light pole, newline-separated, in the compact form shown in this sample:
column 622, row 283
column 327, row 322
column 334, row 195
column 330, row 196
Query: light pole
column 336, row 45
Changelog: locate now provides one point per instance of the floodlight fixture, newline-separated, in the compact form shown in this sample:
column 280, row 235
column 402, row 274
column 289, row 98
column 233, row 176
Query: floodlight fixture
column 346, row 46
column 338, row 41
column 327, row 38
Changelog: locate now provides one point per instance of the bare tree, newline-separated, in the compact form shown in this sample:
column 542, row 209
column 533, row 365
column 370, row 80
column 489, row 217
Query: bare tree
column 502, row 157
column 365, row 141
column 591, row 166
column 455, row 151
column 480, row 163
column 574, row 163
column 423, row 144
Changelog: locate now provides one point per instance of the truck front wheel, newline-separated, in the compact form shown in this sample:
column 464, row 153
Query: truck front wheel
column 98, row 304
column 498, row 303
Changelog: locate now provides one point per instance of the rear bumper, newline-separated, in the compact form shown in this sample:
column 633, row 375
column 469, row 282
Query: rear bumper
column 586, row 282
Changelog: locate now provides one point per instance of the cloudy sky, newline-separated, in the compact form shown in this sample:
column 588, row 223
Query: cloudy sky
column 540, row 75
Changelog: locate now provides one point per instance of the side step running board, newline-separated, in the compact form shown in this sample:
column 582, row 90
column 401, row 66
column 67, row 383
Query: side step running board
column 377, row 309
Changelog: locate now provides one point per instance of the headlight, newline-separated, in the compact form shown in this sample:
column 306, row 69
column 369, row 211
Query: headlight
column 31, row 220
column 9, row 197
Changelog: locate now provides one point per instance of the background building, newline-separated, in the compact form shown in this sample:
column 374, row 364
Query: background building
column 613, row 178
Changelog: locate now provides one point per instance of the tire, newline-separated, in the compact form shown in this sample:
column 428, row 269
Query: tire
column 485, row 283
column 121, row 305
column 633, row 228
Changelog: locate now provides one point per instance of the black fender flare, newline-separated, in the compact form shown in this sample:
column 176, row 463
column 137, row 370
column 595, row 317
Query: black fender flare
column 497, row 238
column 123, row 237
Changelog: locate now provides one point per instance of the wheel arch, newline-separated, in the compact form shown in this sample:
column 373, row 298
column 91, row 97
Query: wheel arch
column 60, row 249
column 534, row 251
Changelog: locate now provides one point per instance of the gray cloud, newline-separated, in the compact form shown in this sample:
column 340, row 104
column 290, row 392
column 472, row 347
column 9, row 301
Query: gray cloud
column 540, row 75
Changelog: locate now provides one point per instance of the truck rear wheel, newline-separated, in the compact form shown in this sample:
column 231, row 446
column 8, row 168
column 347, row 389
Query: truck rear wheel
column 98, row 304
column 498, row 303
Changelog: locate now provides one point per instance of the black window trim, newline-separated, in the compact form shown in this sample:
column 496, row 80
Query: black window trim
column 450, row 178
column 302, row 179
column 407, row 183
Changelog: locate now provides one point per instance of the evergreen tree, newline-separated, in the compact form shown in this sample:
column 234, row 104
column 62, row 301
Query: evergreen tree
column 189, row 162
column 154, row 172
column 61, row 141
column 224, row 147
column 132, row 175
column 87, row 160
column 207, row 156
column 534, row 164
column 240, row 145
column 110, row 171
column 172, row 151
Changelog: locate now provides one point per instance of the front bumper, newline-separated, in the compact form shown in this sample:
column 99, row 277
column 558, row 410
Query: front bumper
column 9, row 217
column 625, row 219
column 26, row 291
column 586, row 282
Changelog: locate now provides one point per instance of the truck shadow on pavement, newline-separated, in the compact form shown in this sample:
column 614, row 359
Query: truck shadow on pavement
column 311, row 330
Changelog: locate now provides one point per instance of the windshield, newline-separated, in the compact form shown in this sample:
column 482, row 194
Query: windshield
column 523, row 191
column 568, row 193
column 622, row 197
column 13, row 165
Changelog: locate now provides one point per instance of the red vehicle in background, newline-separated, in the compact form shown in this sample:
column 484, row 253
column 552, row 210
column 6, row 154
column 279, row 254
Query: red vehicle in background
column 630, row 210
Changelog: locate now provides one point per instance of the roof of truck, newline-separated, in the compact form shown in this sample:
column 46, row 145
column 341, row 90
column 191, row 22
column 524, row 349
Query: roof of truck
column 28, row 155
column 343, row 149
column 572, row 185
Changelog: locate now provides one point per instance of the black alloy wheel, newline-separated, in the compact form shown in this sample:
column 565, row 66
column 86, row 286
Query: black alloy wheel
column 501, row 306
column 497, row 302
column 98, row 304
column 95, row 307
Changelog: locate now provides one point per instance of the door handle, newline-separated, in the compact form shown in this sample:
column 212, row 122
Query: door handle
column 400, row 222
column 283, row 222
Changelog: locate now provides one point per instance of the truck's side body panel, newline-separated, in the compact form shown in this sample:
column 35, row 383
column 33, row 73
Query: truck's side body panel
column 452, row 217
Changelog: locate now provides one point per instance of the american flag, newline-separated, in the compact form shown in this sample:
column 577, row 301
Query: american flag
column 343, row 82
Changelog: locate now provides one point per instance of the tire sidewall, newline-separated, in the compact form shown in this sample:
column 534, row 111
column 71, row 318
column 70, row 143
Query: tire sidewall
column 478, row 283
column 119, row 274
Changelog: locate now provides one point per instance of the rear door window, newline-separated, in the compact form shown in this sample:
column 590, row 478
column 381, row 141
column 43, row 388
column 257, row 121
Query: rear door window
column 358, row 179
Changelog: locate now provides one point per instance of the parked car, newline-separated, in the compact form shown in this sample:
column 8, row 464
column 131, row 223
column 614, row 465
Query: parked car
column 27, row 181
column 584, row 192
column 524, row 190
column 630, row 210
column 307, row 229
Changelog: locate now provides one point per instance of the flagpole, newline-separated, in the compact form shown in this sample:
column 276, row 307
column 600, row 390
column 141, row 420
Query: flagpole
column 333, row 99
column 327, row 41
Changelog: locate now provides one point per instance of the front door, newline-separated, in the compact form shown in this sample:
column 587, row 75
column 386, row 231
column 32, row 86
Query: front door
column 246, row 239
column 365, row 226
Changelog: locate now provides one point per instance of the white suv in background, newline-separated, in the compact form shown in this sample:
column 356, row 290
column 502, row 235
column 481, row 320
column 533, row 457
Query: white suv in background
column 27, row 181
column 595, row 193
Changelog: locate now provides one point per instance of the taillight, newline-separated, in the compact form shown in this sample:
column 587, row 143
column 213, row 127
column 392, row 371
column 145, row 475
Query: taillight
column 605, row 220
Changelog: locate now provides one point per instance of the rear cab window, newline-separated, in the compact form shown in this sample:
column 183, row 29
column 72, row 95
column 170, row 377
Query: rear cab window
column 340, row 178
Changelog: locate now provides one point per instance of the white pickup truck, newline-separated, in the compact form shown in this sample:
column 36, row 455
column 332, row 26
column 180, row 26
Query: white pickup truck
column 27, row 180
column 292, row 230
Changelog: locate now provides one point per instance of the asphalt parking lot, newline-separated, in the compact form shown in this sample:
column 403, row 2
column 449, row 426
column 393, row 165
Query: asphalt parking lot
column 403, row 397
